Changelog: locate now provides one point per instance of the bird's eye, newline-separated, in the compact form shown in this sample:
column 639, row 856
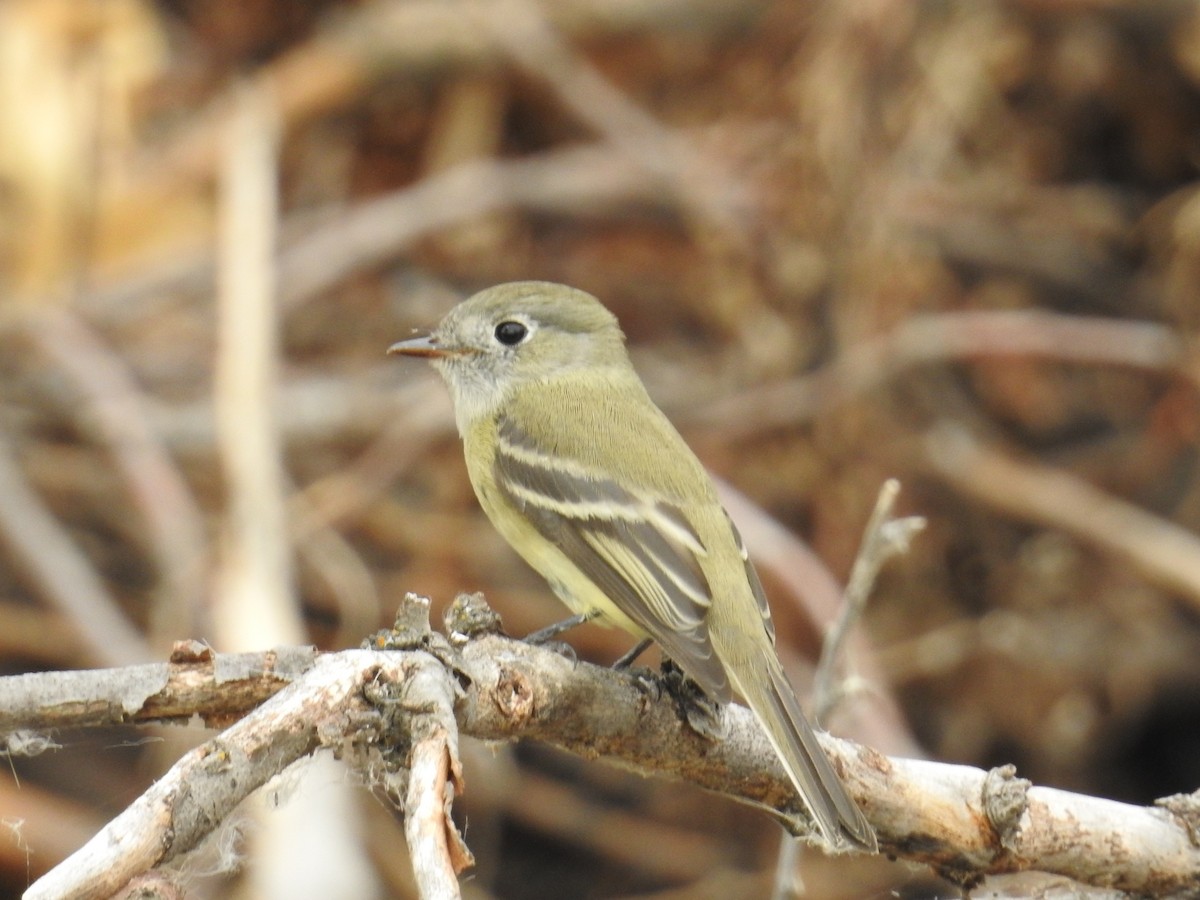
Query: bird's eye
column 511, row 333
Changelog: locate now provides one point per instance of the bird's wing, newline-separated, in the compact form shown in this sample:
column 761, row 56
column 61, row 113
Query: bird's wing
column 639, row 550
column 756, row 588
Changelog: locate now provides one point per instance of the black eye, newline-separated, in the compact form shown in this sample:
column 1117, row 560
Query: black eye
column 511, row 333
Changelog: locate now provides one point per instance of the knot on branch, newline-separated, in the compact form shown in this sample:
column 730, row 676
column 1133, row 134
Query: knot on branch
column 397, row 716
column 1186, row 809
column 469, row 617
column 513, row 696
column 1005, row 800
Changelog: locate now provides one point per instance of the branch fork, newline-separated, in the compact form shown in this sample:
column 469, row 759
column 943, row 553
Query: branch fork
column 397, row 715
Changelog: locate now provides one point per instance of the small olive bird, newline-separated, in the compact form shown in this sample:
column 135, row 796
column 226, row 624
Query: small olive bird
column 585, row 477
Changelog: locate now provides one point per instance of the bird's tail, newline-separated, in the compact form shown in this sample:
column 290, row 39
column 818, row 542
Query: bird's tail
column 835, row 813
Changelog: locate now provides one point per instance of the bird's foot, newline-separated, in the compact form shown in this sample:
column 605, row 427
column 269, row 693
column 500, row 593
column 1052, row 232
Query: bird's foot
column 647, row 681
column 702, row 712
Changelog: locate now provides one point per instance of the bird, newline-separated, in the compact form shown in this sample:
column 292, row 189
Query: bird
column 591, row 484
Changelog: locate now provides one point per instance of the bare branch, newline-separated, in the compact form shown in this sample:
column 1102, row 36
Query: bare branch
column 943, row 337
column 1162, row 551
column 436, row 848
column 115, row 409
column 540, row 48
column 254, row 600
column 578, row 179
column 62, row 572
column 217, row 687
column 200, row 790
column 884, row 538
column 965, row 822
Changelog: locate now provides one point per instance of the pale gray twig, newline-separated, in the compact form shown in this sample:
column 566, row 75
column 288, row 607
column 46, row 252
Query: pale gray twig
column 541, row 49
column 207, row 783
column 116, row 410
column 940, row 338
column 62, row 573
column 1164, row 552
column 963, row 820
column 255, row 601
column 884, row 538
column 577, row 179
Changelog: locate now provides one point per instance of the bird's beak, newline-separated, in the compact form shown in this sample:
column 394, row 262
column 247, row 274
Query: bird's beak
column 423, row 345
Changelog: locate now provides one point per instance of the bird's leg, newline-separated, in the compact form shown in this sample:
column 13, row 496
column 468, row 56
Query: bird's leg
column 543, row 635
column 638, row 649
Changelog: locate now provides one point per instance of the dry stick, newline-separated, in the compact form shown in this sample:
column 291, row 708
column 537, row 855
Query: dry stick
column 197, row 682
column 378, row 41
column 577, row 179
column 427, row 823
column 964, row 821
column 416, row 38
column 435, row 847
column 1163, row 552
column 156, row 886
column 626, row 838
column 61, row 571
column 940, row 338
column 207, row 783
column 255, row 601
column 533, row 41
column 117, row 411
column 955, row 817
column 884, row 538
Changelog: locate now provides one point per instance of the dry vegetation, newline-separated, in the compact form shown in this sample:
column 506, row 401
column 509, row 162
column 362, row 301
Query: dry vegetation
column 953, row 243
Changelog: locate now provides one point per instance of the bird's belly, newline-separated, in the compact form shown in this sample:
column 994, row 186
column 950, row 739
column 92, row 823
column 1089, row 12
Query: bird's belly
column 569, row 584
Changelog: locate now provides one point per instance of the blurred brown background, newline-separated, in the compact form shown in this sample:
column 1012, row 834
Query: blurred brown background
column 953, row 243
